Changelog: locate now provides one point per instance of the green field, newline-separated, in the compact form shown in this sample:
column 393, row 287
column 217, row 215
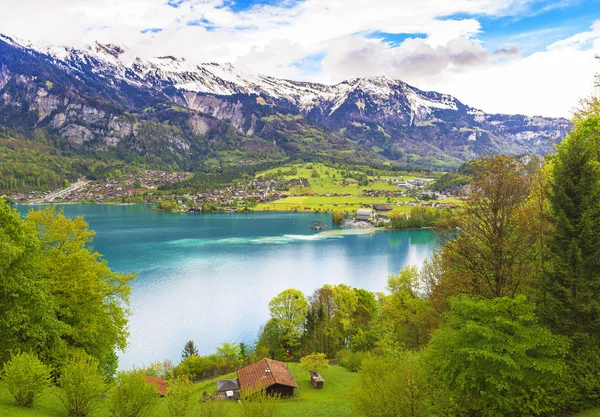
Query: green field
column 331, row 401
column 329, row 182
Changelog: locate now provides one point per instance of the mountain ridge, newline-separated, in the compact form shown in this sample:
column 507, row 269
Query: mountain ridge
column 387, row 117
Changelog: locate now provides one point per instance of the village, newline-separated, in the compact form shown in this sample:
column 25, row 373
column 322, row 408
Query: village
column 374, row 199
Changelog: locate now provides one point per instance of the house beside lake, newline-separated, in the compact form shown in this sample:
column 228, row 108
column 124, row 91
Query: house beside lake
column 267, row 374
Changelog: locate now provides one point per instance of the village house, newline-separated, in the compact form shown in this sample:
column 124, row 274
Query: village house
column 382, row 207
column 267, row 374
column 364, row 214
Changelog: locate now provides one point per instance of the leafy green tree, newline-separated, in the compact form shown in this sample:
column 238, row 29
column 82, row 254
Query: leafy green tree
column 571, row 300
column 231, row 354
column 494, row 252
column 26, row 378
column 316, row 362
column 345, row 300
column 91, row 299
column 497, row 359
column 405, row 314
column 272, row 341
column 82, row 385
column 133, row 397
column 189, row 349
column 289, row 308
column 181, row 396
column 337, row 217
column 28, row 318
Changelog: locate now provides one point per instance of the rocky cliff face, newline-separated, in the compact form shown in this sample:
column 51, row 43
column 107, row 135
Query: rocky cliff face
column 100, row 97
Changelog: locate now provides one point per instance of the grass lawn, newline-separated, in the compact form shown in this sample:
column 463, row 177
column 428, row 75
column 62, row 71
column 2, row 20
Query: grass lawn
column 590, row 413
column 331, row 401
column 329, row 182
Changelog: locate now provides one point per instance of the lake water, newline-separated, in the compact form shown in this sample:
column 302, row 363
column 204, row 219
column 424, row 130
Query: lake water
column 209, row 277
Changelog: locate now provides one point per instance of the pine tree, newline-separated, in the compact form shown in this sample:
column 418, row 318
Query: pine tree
column 571, row 296
column 189, row 349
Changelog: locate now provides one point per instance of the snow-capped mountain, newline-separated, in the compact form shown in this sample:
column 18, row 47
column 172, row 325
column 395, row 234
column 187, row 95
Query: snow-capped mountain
column 388, row 116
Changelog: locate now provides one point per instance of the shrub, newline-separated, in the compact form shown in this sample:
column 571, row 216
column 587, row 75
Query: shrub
column 337, row 217
column 81, row 385
column 26, row 378
column 316, row 362
column 180, row 397
column 351, row 360
column 133, row 397
column 211, row 408
column 260, row 404
column 389, row 386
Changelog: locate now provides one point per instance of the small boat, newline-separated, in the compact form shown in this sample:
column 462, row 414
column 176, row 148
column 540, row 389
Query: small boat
column 317, row 225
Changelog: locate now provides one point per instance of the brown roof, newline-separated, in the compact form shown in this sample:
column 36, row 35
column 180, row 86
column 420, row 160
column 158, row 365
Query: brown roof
column 263, row 374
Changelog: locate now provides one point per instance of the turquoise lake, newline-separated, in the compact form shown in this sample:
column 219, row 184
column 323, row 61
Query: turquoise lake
column 209, row 277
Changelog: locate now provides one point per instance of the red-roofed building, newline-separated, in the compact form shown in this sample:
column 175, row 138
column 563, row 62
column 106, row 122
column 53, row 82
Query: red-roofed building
column 274, row 376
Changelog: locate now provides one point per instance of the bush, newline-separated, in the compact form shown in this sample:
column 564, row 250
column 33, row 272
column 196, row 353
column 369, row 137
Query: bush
column 212, row 408
column 351, row 360
column 260, row 404
column 26, row 378
column 82, row 385
column 337, row 217
column 389, row 386
column 316, row 362
column 180, row 397
column 133, row 396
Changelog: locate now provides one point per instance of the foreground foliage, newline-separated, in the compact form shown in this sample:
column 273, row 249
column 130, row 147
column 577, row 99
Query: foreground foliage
column 26, row 378
column 82, row 385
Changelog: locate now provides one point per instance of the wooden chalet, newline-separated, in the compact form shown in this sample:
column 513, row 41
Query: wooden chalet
column 267, row 374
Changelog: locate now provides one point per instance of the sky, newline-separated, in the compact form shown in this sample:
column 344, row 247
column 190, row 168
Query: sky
column 535, row 57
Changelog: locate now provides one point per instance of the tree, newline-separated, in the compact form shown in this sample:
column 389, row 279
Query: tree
column 589, row 106
column 345, row 300
column 230, row 352
column 28, row 320
column 26, row 378
column 189, row 349
column 81, row 385
column 497, row 359
column 91, row 299
column 493, row 254
column 571, row 298
column 272, row 341
column 405, row 314
column 315, row 362
column 337, row 217
column 289, row 308
column 133, row 397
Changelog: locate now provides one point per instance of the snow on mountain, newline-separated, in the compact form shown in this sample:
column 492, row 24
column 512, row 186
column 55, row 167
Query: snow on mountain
column 376, row 112
column 226, row 80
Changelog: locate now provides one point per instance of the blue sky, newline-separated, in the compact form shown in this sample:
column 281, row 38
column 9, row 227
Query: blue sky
column 529, row 56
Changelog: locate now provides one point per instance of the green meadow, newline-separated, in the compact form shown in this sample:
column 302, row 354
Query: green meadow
column 330, row 181
column 332, row 400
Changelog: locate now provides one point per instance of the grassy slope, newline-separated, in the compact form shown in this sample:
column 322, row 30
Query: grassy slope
column 331, row 401
column 326, row 183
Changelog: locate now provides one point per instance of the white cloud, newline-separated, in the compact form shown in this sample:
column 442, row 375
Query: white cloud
column 271, row 39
